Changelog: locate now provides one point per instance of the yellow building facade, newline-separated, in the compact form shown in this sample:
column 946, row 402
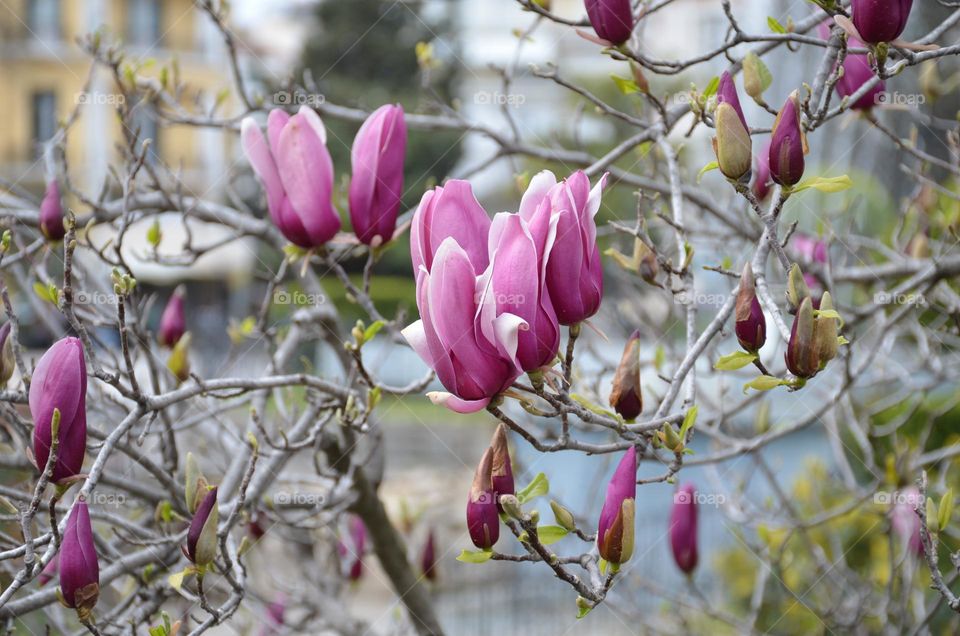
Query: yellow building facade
column 43, row 71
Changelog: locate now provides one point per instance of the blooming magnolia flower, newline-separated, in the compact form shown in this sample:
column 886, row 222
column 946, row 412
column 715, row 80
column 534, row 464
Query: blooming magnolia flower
column 683, row 528
column 297, row 174
column 173, row 323
column 611, row 19
column 448, row 211
column 574, row 272
column 78, row 564
column 376, row 184
column 202, row 535
column 459, row 335
column 880, row 20
column 483, row 521
column 751, row 326
column 516, row 252
column 626, row 397
column 51, row 213
column 60, row 382
column 615, row 532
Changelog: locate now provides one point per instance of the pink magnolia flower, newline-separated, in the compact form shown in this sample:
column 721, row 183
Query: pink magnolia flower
column 376, row 185
column 459, row 334
column 450, row 210
column 297, row 174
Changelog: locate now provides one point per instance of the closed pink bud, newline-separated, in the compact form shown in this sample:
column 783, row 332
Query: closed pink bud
column 761, row 173
column 683, row 528
column 615, row 534
column 611, row 19
column 376, row 185
column 173, row 323
column 202, row 535
column 626, row 398
column 483, row 522
column 880, row 20
column 751, row 326
column 51, row 213
column 428, row 558
column 79, row 567
column 787, row 144
column 459, row 334
column 574, row 276
column 60, row 382
column 297, row 173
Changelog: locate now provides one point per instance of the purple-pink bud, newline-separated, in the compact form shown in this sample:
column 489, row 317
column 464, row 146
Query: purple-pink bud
column 751, row 326
column 856, row 73
column 447, row 211
column 297, row 174
column 428, row 558
column 79, row 567
column 501, row 470
column 376, row 185
column 173, row 323
column 483, row 521
column 49, row 571
column 60, row 382
column 683, row 528
column 615, row 531
column 611, row 19
column 518, row 248
column 202, row 535
column 574, row 275
column 358, row 538
column 787, row 144
column 727, row 94
column 880, row 20
column 904, row 520
column 51, row 213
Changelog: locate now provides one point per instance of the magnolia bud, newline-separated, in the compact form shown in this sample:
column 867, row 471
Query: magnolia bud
column 615, row 532
column 59, row 383
column 797, row 288
column 825, row 332
column 626, row 397
column 788, row 144
column 751, row 327
column 172, row 322
column 683, row 528
column 428, row 558
column 802, row 356
column 202, row 536
column 752, row 78
column 563, row 516
column 7, row 361
column 79, row 566
column 732, row 144
column 482, row 519
column 880, row 20
column 611, row 19
column 179, row 361
column 51, row 213
column 511, row 507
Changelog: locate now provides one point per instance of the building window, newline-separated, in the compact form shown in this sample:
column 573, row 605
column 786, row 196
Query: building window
column 44, row 119
column 43, row 19
column 143, row 22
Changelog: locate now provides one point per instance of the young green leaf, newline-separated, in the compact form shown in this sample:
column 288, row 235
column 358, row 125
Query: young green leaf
column 474, row 556
column 538, row 487
column 550, row 534
column 734, row 361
